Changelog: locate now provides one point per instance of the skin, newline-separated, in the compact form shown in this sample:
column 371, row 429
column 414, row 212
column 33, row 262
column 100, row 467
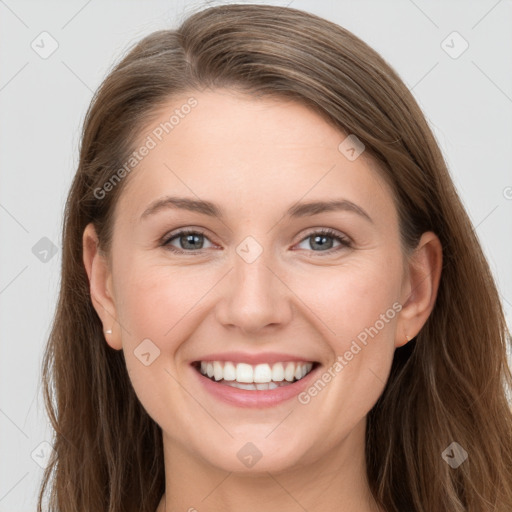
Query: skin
column 255, row 158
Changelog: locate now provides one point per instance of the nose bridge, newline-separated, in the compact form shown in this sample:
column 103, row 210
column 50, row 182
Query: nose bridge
column 255, row 297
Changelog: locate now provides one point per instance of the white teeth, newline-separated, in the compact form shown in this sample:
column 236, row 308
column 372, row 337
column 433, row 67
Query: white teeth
column 244, row 386
column 289, row 372
column 218, row 372
column 229, row 371
column 278, row 372
column 260, row 376
column 262, row 373
column 244, row 373
column 253, row 387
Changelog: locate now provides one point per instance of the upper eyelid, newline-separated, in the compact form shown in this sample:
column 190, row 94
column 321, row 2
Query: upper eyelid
column 343, row 239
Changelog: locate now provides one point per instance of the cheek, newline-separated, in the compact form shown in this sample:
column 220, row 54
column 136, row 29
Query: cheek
column 157, row 303
column 156, row 300
column 356, row 307
column 348, row 299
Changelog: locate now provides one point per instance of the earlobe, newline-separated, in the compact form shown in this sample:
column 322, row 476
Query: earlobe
column 100, row 286
column 420, row 287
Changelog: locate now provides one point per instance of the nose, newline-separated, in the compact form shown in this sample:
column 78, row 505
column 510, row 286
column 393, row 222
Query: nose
column 254, row 297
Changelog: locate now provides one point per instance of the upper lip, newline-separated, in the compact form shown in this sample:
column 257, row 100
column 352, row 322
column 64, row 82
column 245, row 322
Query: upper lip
column 259, row 358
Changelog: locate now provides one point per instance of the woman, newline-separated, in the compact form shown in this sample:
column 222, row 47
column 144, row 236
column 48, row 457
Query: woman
column 272, row 297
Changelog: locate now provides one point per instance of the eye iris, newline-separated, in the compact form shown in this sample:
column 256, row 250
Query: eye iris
column 187, row 241
column 195, row 240
column 320, row 242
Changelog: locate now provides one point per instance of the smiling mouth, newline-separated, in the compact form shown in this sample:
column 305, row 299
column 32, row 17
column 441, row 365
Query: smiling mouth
column 258, row 377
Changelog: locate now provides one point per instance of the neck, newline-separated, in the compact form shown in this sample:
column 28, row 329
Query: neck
column 336, row 480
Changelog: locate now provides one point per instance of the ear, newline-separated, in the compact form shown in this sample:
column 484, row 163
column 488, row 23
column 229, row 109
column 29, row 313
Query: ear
column 419, row 290
column 100, row 281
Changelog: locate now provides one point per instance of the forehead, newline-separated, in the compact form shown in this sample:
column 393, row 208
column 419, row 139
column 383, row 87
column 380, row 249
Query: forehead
column 242, row 150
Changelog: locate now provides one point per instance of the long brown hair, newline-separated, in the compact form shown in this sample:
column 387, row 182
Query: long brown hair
column 449, row 384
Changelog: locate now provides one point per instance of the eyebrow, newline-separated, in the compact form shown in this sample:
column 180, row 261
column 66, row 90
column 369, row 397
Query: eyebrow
column 212, row 210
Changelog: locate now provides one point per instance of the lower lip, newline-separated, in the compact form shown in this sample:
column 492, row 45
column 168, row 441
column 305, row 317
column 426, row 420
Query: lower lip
column 256, row 398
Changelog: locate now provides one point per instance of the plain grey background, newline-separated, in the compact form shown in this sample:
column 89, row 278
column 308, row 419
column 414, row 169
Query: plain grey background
column 53, row 55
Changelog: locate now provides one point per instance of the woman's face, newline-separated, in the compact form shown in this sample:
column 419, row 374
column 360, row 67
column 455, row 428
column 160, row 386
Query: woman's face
column 257, row 284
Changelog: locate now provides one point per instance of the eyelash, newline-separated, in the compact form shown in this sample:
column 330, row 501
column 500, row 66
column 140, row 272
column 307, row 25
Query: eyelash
column 344, row 242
